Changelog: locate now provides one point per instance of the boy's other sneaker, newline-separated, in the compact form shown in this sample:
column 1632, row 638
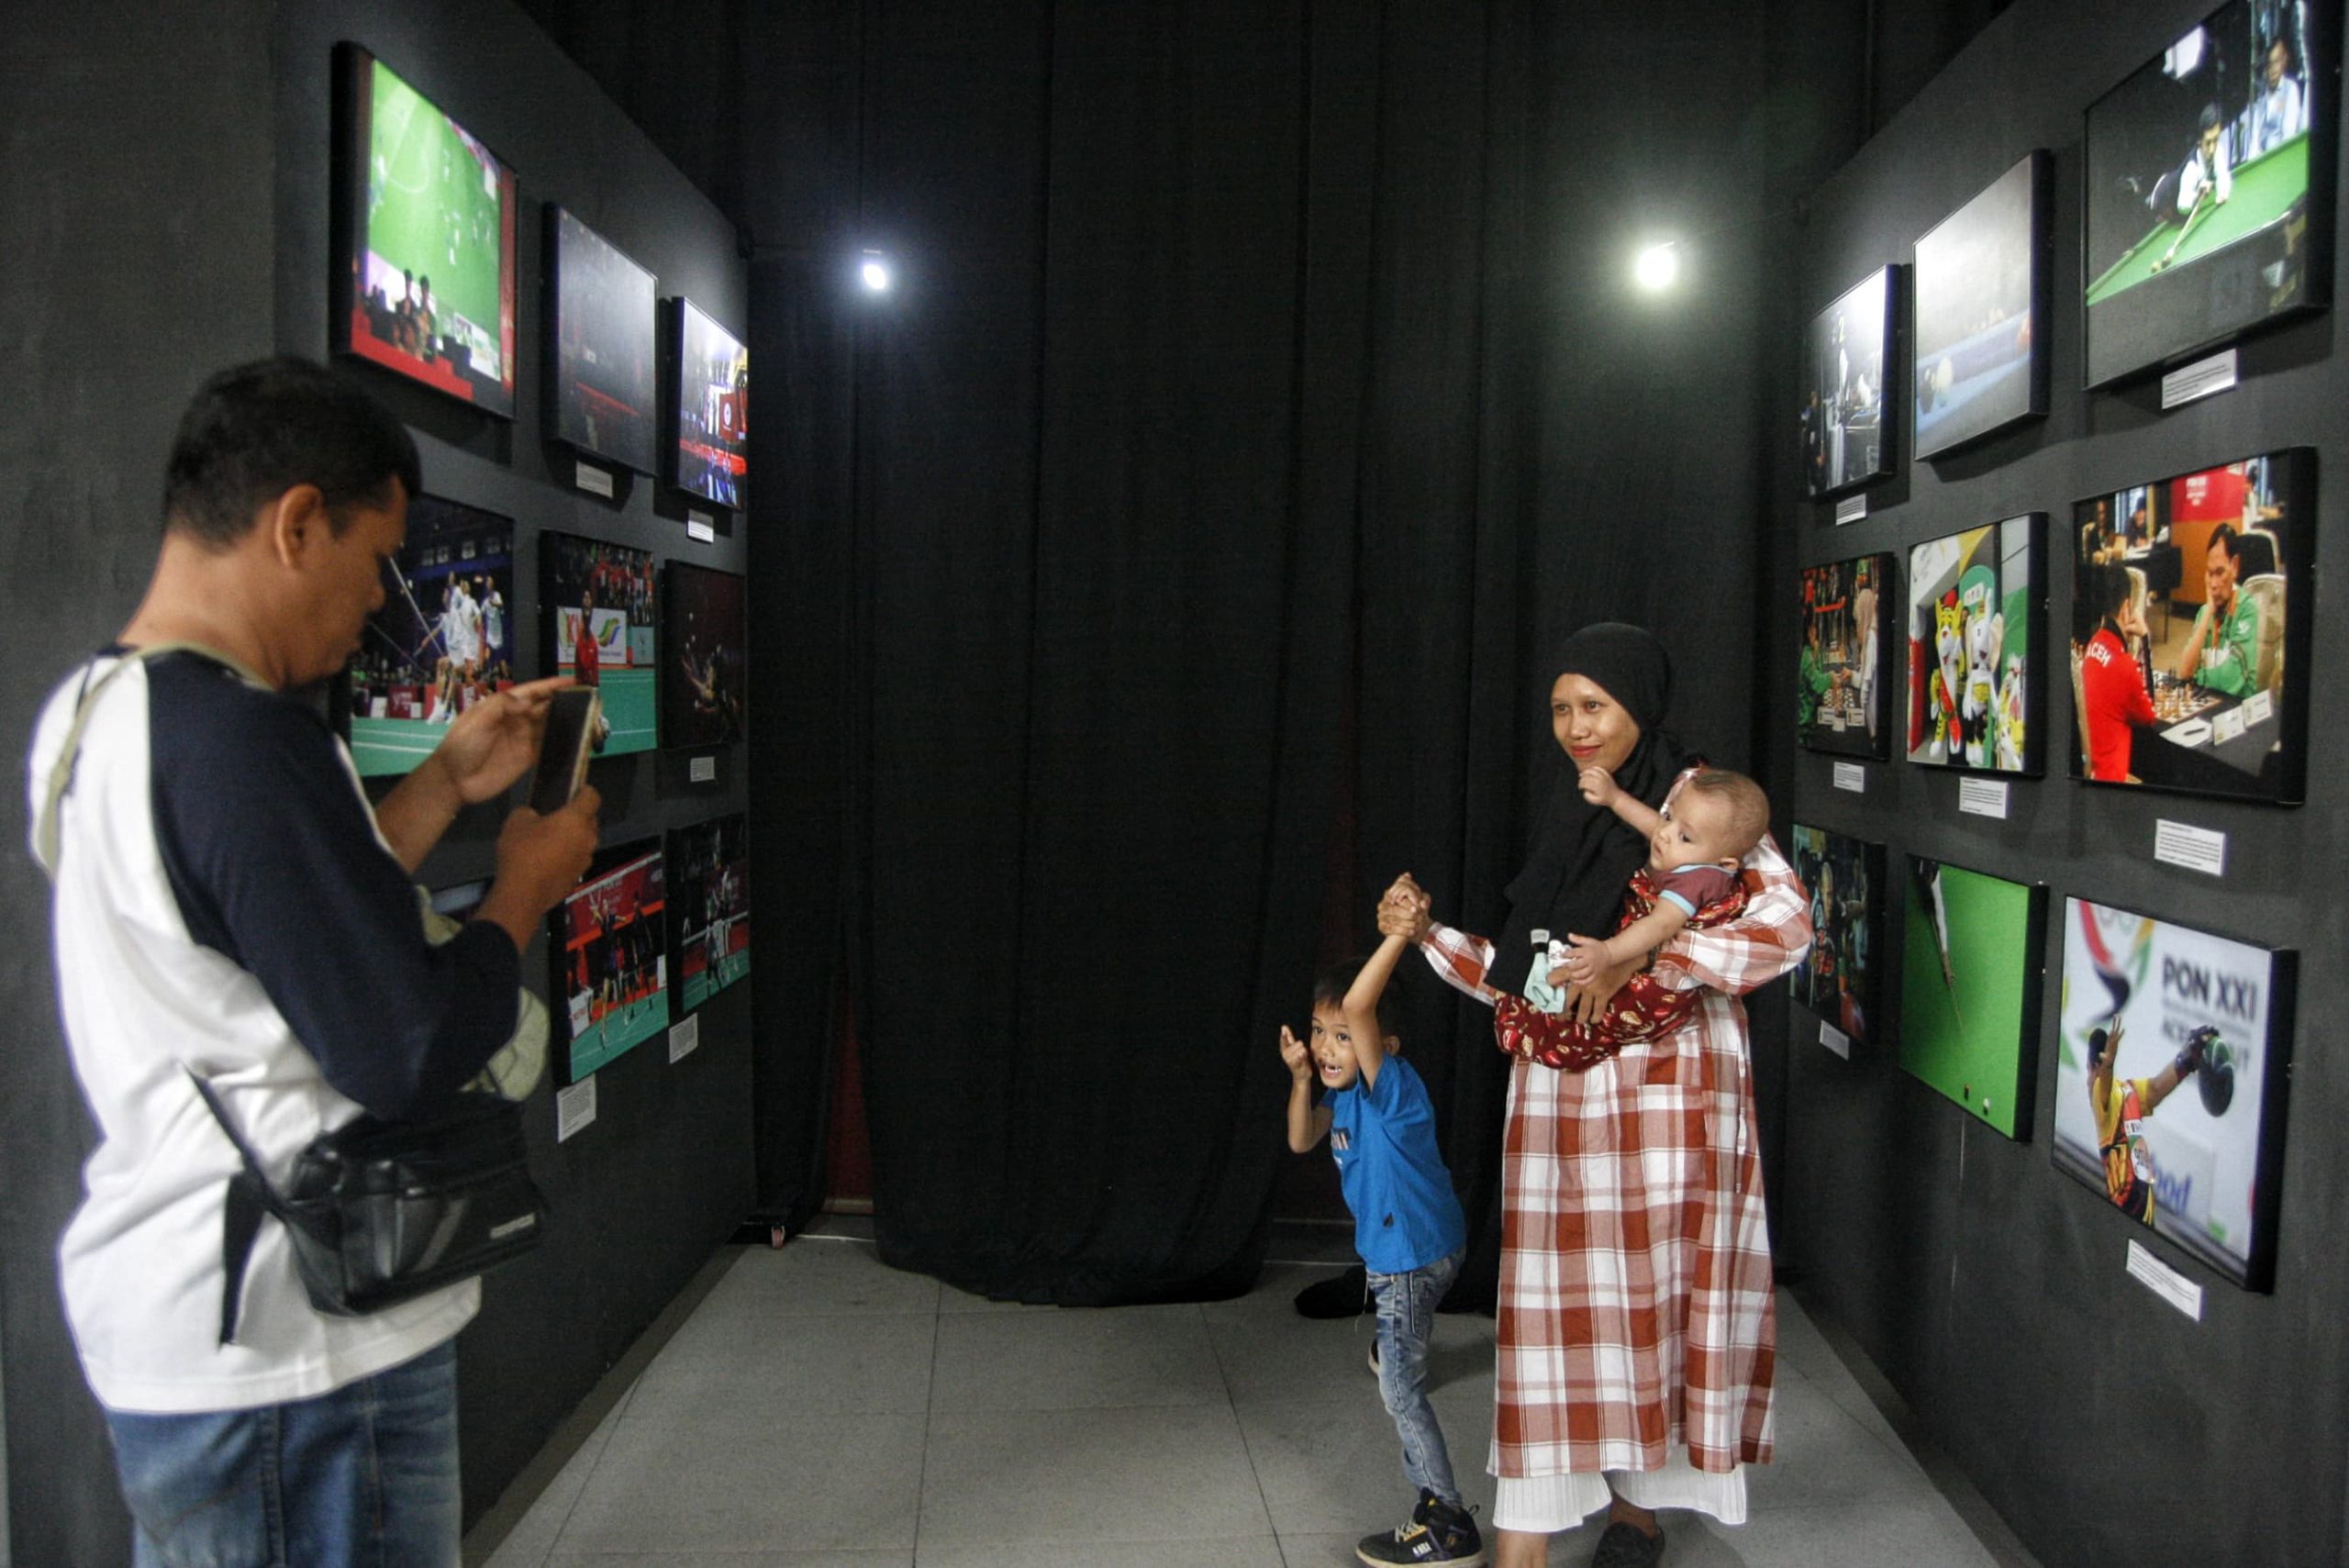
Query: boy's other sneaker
column 1437, row 1532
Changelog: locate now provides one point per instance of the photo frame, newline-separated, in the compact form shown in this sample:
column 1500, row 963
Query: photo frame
column 709, row 927
column 1840, row 703
column 2192, row 628
column 1981, row 285
column 2210, row 188
column 597, row 619
column 1970, row 973
column 704, row 621
column 423, row 240
column 1974, row 630
column 442, row 638
column 607, row 947
column 1841, row 979
column 709, row 410
column 603, row 358
column 1847, row 353
column 2174, row 1062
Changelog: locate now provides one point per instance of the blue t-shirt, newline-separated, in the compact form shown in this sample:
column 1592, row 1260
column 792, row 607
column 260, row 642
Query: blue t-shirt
column 1405, row 1214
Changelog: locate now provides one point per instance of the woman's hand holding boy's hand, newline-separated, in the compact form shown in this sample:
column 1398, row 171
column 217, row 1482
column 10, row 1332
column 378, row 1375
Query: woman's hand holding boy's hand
column 1598, row 786
column 1294, row 1057
column 1403, row 909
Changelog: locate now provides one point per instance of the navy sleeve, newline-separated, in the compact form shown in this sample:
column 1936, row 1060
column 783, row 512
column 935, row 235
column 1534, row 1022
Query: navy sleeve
column 274, row 863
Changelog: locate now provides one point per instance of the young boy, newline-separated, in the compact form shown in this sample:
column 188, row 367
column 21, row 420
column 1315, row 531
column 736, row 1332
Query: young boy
column 1407, row 1228
column 1694, row 847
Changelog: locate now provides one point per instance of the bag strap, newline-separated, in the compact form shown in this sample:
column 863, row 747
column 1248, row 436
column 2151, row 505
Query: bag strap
column 46, row 834
column 250, row 1195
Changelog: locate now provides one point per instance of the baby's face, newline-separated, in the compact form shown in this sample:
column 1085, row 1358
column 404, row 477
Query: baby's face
column 1692, row 830
column 1332, row 1047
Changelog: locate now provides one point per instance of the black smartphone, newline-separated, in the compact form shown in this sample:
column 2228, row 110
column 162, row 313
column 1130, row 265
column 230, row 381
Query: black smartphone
column 562, row 754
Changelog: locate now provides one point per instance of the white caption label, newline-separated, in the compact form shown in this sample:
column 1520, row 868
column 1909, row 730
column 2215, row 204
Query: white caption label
column 2258, row 707
column 684, row 1037
column 2196, row 849
column 701, row 769
column 1851, row 509
column 2165, row 1281
column 1983, row 797
column 595, row 481
column 700, row 527
column 574, row 1108
column 1835, row 1040
column 2199, row 379
column 1852, row 776
column 2228, row 726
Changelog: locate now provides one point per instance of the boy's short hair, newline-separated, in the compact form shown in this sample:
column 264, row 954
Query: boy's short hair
column 1330, row 985
column 1749, row 807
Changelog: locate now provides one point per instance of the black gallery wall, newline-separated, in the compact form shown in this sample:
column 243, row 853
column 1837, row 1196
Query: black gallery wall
column 146, row 250
column 2104, row 1425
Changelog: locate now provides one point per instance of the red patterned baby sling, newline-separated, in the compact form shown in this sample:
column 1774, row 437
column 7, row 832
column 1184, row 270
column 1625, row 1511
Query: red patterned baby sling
column 1643, row 1010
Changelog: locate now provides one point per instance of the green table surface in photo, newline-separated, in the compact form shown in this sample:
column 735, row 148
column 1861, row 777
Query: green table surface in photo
column 1968, row 1043
column 2266, row 188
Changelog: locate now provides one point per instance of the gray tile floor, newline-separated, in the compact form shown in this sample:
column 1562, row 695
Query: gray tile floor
column 817, row 1409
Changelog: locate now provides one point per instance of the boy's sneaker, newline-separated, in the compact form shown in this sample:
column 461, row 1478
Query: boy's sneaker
column 1438, row 1532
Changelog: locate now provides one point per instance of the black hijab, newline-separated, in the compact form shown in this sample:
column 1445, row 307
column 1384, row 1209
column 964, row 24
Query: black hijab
column 1584, row 854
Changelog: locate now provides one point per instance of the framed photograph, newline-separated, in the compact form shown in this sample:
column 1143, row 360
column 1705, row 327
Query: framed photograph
column 710, row 877
column 2176, row 1055
column 1846, row 621
column 1970, row 969
column 1839, row 980
column 709, row 452
column 1981, row 308
column 424, row 240
column 443, row 638
column 2210, row 188
column 2191, row 604
column 608, row 944
column 595, row 612
column 703, row 694
column 1974, row 635
column 1846, row 443
column 603, row 326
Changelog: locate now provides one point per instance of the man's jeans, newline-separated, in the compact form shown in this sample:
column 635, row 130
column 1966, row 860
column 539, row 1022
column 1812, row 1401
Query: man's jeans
column 1406, row 1323
column 366, row 1475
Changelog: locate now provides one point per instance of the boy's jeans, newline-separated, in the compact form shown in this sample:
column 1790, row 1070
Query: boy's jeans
column 1406, row 1323
column 366, row 1474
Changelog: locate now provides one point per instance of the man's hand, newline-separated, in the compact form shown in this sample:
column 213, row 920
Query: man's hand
column 495, row 742
column 539, row 858
column 1294, row 1057
column 1403, row 910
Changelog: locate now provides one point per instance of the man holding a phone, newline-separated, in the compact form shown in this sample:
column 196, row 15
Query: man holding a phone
column 228, row 906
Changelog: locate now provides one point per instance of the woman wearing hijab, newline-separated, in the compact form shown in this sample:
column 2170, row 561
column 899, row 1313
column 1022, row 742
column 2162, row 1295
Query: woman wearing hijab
column 1636, row 1327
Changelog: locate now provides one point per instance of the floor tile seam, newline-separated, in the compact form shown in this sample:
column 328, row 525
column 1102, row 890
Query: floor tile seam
column 618, row 1418
column 1247, row 1445
column 929, row 1421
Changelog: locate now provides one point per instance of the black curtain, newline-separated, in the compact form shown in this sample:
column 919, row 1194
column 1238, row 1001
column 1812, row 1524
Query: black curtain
column 1259, row 391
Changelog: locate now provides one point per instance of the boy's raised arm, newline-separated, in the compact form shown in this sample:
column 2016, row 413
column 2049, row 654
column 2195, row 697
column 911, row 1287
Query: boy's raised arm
column 1362, row 1006
column 1306, row 1121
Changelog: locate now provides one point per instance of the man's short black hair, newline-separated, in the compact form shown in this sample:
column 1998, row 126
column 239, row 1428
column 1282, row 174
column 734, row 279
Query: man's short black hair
column 2104, row 587
column 2226, row 539
column 1330, row 985
column 255, row 431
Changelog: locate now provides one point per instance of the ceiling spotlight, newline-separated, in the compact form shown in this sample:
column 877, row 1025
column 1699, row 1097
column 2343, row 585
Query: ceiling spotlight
column 875, row 272
column 1658, row 266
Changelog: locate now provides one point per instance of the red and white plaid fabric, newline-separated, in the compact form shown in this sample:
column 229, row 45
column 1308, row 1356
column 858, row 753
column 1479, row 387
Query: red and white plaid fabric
column 1636, row 1310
